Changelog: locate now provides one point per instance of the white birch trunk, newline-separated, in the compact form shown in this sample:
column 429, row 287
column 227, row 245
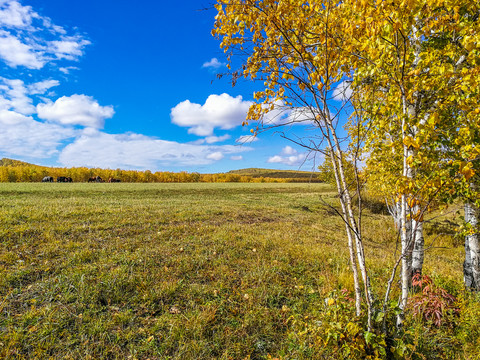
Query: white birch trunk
column 418, row 243
column 472, row 249
column 415, row 247
column 353, row 261
column 337, row 158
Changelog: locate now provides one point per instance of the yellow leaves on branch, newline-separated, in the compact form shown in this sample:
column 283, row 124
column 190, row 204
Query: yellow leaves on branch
column 288, row 42
column 467, row 170
column 393, row 50
column 469, row 43
column 408, row 141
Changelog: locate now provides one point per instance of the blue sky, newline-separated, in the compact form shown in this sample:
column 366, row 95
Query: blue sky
column 122, row 84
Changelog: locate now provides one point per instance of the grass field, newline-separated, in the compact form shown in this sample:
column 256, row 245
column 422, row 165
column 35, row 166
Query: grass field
column 180, row 271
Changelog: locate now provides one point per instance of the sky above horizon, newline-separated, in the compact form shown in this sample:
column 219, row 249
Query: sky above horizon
column 113, row 85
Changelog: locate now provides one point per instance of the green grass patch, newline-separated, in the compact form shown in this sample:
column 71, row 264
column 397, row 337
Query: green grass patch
column 177, row 271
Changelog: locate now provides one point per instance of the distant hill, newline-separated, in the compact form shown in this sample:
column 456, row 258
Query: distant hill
column 277, row 174
column 13, row 163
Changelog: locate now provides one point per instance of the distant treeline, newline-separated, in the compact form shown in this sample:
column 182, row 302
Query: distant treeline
column 299, row 176
column 18, row 171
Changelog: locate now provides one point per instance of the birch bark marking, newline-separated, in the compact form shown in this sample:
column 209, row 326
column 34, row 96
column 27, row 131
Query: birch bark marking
column 472, row 249
column 405, row 274
column 418, row 252
column 417, row 242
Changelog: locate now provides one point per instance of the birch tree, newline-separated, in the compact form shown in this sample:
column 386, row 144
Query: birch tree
column 420, row 60
column 413, row 67
column 294, row 49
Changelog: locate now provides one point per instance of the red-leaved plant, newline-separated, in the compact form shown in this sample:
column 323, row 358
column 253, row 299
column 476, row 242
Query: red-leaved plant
column 432, row 302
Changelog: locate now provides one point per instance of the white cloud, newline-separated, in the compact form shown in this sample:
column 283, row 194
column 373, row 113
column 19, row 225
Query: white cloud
column 236, row 157
column 12, row 14
column 16, row 53
column 284, row 115
column 30, row 40
column 14, row 95
column 21, row 135
column 212, row 139
column 288, row 150
column 42, row 86
column 69, row 48
column 275, row 159
column 343, row 91
column 289, row 156
column 134, row 151
column 246, row 139
column 219, row 111
column 215, row 139
column 213, row 63
column 215, row 156
column 75, row 110
column 66, row 70
column 301, row 115
column 8, row 117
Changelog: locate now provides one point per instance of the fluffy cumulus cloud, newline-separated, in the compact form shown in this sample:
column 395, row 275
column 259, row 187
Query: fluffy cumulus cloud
column 37, row 123
column 42, row 87
column 15, row 95
column 133, row 151
column 214, row 64
column 69, row 47
column 343, row 91
column 30, row 40
column 218, row 155
column 15, row 53
column 21, row 132
column 75, row 110
column 12, row 14
column 289, row 156
column 21, row 135
column 219, row 111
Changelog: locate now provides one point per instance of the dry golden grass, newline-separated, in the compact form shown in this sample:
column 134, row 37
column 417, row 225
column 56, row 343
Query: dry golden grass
column 178, row 271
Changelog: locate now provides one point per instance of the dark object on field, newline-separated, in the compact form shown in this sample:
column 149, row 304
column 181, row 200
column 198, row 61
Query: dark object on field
column 64, row 179
column 112, row 180
column 47, row 179
column 96, row 179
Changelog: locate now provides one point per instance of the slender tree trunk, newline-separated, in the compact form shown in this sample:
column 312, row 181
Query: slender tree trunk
column 404, row 223
column 353, row 261
column 418, row 243
column 467, row 265
column 415, row 245
column 405, row 274
column 471, row 267
column 337, row 157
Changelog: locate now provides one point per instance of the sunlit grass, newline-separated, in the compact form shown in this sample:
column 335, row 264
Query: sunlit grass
column 176, row 271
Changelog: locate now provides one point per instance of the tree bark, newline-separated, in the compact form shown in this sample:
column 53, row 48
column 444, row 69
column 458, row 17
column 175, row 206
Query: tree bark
column 418, row 243
column 351, row 247
column 471, row 266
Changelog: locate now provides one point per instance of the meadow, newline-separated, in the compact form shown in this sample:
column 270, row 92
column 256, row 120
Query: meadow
column 192, row 271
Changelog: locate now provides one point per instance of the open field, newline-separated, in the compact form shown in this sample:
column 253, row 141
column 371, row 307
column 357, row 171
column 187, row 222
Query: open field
column 180, row 271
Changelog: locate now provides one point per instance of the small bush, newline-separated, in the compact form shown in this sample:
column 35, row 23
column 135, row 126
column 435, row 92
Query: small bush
column 432, row 304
